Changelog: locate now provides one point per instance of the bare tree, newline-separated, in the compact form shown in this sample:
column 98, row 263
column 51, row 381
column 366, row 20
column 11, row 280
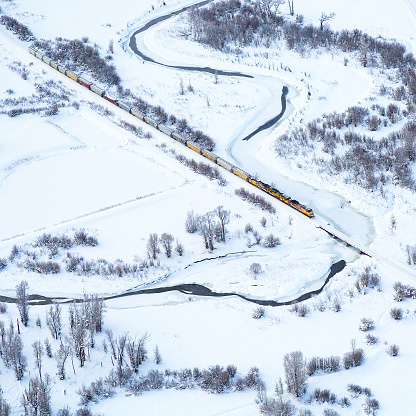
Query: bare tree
column 179, row 248
column 207, row 227
column 271, row 241
column 393, row 223
column 111, row 46
column 61, row 357
column 158, row 356
column 136, row 351
column 153, row 246
column 166, row 240
column 78, row 332
column 22, row 301
column 325, row 18
column 224, row 218
column 38, row 353
column 18, row 360
column 295, row 374
column 37, row 397
column 191, row 222
column 255, row 269
column 291, row 7
column 5, row 409
column 53, row 320
column 48, row 347
column 267, row 5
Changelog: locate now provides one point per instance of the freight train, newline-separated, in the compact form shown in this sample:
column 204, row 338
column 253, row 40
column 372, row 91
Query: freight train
column 176, row 136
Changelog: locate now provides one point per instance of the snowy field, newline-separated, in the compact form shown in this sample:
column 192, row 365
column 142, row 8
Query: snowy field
column 79, row 169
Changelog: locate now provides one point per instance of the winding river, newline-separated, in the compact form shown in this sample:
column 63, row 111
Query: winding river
column 253, row 151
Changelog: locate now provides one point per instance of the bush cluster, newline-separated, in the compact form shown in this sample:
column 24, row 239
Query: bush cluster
column 255, row 199
column 77, row 55
column 366, row 162
column 215, row 379
column 367, row 280
column 19, row 29
column 330, row 364
column 300, row 309
column 323, row 396
column 354, row 358
column 205, row 169
column 356, row 390
column 402, row 291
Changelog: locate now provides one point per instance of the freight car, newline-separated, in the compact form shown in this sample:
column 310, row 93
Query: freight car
column 178, row 137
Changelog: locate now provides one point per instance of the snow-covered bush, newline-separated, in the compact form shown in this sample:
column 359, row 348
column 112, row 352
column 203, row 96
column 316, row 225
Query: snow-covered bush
column 330, row 364
column 3, row 264
column 344, row 402
column 272, row 407
column 300, row 309
column 19, row 29
column 255, row 269
column 371, row 406
column 403, row 291
column 393, row 350
column 371, row 339
column 366, row 325
column 259, row 312
column 354, row 358
column 3, row 307
column 396, row 313
column 271, row 241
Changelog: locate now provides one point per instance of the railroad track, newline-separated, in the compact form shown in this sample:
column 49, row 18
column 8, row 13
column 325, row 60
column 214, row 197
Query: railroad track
column 390, row 263
column 409, row 274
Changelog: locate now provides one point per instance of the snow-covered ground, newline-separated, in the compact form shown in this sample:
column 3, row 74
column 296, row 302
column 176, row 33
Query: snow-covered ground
column 79, row 169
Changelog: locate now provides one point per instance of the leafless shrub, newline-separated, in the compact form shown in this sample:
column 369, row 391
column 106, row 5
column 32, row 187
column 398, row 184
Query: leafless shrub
column 366, row 325
column 325, row 364
column 191, row 222
column 271, row 241
column 248, row 228
column 396, row 313
column 403, row 291
column 179, row 250
column 14, row 253
column 153, row 246
column 257, row 237
column 22, row 31
column 255, row 200
column 259, row 312
column 320, row 306
column 77, row 55
column 393, row 350
column 300, row 309
column 344, row 402
column 255, row 269
column 411, row 255
column 371, row 406
column 211, row 172
column 166, row 240
column 81, row 238
column 3, row 307
column 336, row 305
column 330, row 412
column 3, row 264
column 371, row 339
column 354, row 358
column 137, row 131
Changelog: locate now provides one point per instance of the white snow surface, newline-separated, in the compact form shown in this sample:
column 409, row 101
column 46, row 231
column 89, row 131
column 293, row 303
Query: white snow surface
column 79, row 169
